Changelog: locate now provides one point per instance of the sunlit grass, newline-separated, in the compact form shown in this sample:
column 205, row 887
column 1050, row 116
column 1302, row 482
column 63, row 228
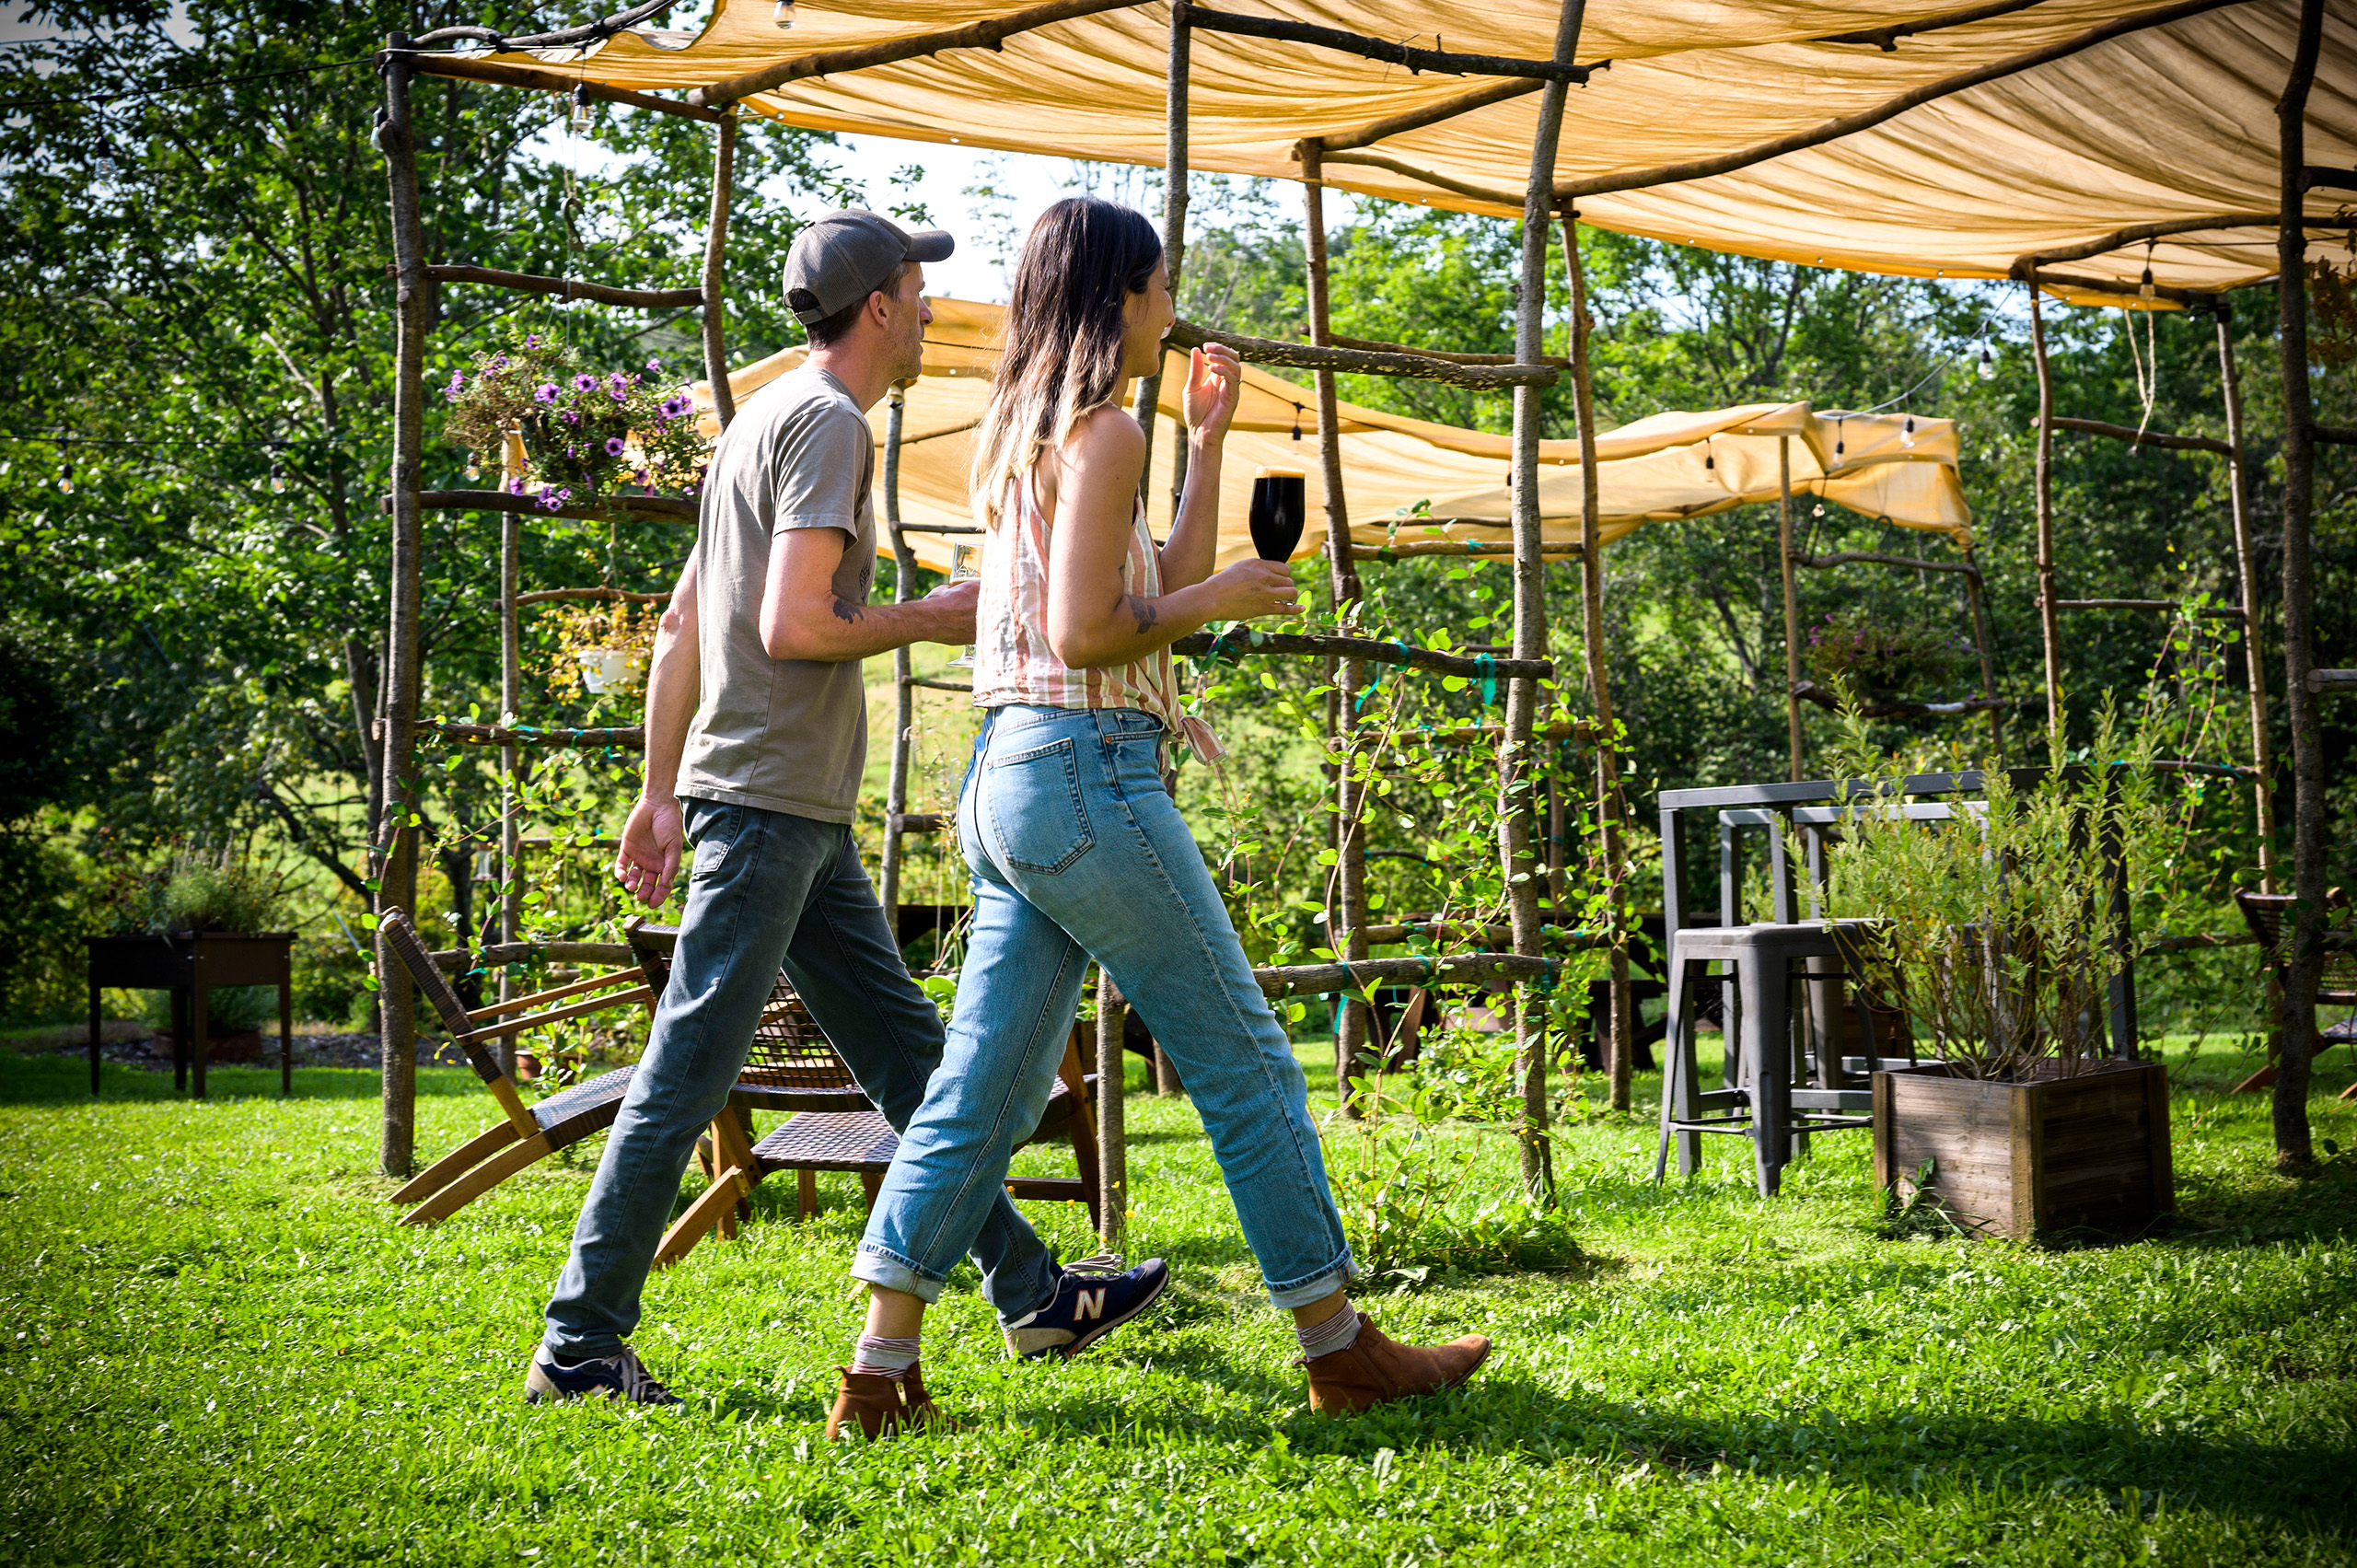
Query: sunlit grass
column 218, row 1346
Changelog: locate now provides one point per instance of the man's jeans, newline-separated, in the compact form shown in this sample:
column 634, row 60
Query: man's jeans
column 1077, row 850
column 769, row 890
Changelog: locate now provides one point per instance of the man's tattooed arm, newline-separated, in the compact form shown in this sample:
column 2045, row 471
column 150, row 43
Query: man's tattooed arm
column 850, row 614
column 1143, row 612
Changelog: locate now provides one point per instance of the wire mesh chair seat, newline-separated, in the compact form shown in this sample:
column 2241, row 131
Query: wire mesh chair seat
column 792, row 1066
column 526, row 1134
column 2269, row 915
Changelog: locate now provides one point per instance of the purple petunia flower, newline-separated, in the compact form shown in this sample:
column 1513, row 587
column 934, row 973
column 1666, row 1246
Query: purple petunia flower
column 546, row 393
column 585, row 382
column 549, row 500
column 613, row 446
column 499, row 362
column 571, row 416
column 654, row 367
column 672, row 408
column 531, row 340
column 515, row 487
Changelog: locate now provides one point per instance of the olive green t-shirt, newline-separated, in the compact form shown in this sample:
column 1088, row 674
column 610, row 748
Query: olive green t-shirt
column 782, row 735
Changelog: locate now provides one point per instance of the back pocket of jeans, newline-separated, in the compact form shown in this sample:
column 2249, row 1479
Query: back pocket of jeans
column 1033, row 798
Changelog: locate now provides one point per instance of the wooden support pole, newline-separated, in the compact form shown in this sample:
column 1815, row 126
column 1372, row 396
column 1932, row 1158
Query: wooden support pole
column 1791, row 600
column 1381, row 49
column 2301, row 974
column 986, row 34
column 1619, row 1035
column 2047, row 631
column 1416, row 119
column 1315, row 356
column 715, row 250
column 1199, row 644
column 1518, row 762
column 1174, row 256
column 2143, row 438
column 396, row 1026
column 1112, row 1145
column 1347, row 908
column 2262, row 740
column 904, row 713
column 568, row 288
column 511, row 757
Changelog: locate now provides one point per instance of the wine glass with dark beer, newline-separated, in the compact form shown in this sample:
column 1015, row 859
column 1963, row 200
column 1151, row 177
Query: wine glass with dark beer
column 1280, row 509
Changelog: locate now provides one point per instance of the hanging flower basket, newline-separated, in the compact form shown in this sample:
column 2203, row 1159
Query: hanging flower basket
column 585, row 436
column 612, row 671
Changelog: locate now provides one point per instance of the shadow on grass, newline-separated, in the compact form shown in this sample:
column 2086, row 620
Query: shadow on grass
column 64, row 1079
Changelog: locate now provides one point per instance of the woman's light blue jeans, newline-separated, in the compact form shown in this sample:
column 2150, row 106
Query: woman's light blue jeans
column 1077, row 852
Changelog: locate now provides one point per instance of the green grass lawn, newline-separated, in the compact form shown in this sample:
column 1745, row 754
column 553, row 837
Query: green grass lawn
column 218, row 1348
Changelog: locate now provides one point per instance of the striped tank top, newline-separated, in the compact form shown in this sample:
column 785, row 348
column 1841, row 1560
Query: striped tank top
column 1013, row 664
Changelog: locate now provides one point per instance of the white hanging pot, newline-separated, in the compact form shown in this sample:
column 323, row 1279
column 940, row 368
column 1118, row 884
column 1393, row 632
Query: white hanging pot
column 612, row 669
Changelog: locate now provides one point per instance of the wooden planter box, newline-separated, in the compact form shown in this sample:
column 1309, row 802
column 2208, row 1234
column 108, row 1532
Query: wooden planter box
column 2017, row 1159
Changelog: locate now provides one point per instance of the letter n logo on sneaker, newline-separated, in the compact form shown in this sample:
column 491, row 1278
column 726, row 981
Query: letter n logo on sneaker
column 1087, row 1304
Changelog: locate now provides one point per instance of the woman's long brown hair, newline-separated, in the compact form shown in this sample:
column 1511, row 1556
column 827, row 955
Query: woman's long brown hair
column 1062, row 355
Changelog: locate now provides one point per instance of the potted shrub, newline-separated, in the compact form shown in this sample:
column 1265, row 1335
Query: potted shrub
column 1877, row 660
column 585, row 436
column 1997, row 934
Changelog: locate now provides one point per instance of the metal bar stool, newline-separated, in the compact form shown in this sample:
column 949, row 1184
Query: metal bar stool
column 1762, row 1102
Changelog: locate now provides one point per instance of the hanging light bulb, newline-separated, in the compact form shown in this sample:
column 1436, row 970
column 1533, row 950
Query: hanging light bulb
column 1817, row 510
column 1296, row 421
column 474, row 465
column 278, row 477
column 1906, row 433
column 2144, row 288
column 1988, row 366
column 65, row 478
column 581, row 109
column 782, row 18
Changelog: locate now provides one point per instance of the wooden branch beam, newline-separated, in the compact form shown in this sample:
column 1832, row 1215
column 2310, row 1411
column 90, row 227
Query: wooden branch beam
column 568, row 288
column 1876, row 558
column 1459, row 931
column 1416, row 119
column 1417, row 60
column 936, row 527
column 937, row 685
column 1457, row 969
column 1471, row 734
column 1851, row 124
column 987, row 34
column 1887, row 39
column 2227, row 612
column 1428, row 176
column 1338, row 341
column 2135, row 233
column 1810, row 691
column 587, row 32
column 460, row 959
column 2145, row 437
column 2314, row 176
column 612, row 596
column 916, row 822
column 465, row 70
column 656, row 508
column 2203, row 939
column 630, row 738
column 2338, row 434
column 1409, row 548
column 2323, row 681
column 1230, row 645
column 2124, row 290
column 1306, row 357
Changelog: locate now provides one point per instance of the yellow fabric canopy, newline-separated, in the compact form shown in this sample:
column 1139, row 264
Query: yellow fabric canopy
column 1672, row 465
column 2162, row 123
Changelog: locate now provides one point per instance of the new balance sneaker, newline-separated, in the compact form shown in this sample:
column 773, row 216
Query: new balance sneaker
column 1093, row 1297
column 616, row 1377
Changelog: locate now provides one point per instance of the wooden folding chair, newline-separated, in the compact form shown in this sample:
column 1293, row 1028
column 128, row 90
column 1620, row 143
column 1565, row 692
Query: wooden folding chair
column 526, row 1134
column 2269, row 915
column 831, row 1125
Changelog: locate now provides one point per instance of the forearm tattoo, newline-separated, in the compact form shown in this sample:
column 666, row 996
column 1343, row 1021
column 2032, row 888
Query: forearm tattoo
column 1143, row 612
column 848, row 612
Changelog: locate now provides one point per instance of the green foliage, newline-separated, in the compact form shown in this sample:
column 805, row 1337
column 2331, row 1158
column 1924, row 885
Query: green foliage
column 1878, row 658
column 598, row 433
column 1994, row 929
column 202, row 1286
column 222, row 895
column 332, row 982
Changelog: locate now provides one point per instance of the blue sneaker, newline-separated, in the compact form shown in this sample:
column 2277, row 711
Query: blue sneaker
column 1093, row 1297
column 617, row 1376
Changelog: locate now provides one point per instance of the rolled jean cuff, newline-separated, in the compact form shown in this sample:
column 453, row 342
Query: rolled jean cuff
column 892, row 1271
column 1316, row 1287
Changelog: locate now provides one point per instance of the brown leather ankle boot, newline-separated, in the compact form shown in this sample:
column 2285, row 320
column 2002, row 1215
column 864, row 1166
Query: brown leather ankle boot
column 1374, row 1369
column 880, row 1404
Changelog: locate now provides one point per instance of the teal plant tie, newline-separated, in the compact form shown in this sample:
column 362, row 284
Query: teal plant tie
column 1488, row 668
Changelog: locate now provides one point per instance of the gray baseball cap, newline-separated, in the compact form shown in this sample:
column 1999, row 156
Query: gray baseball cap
column 845, row 256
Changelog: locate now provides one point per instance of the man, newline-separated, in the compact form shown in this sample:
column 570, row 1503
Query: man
column 757, row 722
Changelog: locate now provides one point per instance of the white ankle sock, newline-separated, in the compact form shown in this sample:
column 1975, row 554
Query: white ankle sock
column 1327, row 1335
column 887, row 1357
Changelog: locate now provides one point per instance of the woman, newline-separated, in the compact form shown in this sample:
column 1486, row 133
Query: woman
column 1077, row 850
